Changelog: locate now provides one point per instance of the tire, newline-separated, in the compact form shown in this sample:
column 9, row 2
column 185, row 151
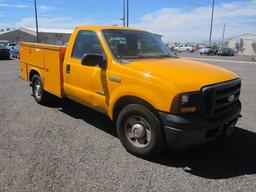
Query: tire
column 188, row 51
column 134, row 123
column 41, row 96
column 8, row 57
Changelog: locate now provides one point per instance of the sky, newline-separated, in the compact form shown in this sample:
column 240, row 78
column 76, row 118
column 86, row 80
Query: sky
column 176, row 20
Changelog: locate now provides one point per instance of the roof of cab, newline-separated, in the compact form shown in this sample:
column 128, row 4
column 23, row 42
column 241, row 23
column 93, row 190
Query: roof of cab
column 101, row 27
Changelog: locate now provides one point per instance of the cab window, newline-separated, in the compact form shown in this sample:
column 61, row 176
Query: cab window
column 86, row 42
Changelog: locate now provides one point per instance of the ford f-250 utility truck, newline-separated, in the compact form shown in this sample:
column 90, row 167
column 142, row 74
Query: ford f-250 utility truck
column 130, row 75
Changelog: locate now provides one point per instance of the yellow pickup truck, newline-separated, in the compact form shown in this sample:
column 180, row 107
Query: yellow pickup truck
column 154, row 97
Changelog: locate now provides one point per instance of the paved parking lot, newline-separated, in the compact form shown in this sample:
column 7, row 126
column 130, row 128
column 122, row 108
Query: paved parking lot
column 196, row 54
column 68, row 147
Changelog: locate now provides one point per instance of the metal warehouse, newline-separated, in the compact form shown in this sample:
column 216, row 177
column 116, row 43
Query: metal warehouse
column 244, row 44
column 46, row 35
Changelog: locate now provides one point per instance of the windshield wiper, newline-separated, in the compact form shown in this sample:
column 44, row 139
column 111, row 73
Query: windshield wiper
column 135, row 57
column 145, row 56
column 164, row 56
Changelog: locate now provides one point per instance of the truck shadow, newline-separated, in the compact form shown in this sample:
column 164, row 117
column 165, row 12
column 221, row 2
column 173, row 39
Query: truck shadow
column 86, row 114
column 224, row 158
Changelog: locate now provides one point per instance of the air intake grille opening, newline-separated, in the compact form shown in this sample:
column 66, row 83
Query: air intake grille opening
column 220, row 98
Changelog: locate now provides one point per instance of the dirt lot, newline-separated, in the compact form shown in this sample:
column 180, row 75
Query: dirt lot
column 68, row 147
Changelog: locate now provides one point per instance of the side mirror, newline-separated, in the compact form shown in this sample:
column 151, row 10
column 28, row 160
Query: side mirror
column 94, row 60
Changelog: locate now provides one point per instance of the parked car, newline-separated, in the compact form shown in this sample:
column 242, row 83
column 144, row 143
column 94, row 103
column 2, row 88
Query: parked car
column 153, row 97
column 11, row 45
column 226, row 52
column 209, row 50
column 15, row 51
column 4, row 52
column 184, row 48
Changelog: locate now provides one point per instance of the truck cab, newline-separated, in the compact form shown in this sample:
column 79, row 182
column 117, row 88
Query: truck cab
column 130, row 75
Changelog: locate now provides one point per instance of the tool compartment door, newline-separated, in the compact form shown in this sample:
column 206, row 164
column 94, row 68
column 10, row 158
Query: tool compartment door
column 53, row 72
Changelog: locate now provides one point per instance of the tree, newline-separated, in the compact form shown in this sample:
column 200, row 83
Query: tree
column 237, row 46
column 254, row 50
column 242, row 45
column 254, row 46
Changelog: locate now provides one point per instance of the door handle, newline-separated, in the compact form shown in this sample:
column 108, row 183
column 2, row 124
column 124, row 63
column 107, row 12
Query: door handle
column 68, row 68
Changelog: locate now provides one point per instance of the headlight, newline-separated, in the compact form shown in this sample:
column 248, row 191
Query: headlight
column 186, row 103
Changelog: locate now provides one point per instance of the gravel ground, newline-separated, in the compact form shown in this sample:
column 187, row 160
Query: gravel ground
column 68, row 147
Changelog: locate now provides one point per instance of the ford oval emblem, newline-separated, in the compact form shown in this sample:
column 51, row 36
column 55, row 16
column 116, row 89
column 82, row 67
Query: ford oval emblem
column 231, row 98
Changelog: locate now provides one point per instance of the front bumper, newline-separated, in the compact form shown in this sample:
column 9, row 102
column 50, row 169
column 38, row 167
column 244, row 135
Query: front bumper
column 187, row 130
column 4, row 54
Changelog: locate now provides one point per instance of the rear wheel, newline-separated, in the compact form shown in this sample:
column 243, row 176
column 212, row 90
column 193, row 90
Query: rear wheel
column 40, row 95
column 188, row 51
column 140, row 131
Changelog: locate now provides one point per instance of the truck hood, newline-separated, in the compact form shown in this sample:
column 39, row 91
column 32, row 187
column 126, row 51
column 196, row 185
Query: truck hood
column 186, row 74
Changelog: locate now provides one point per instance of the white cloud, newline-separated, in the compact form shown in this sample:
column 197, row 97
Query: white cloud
column 178, row 24
column 51, row 22
column 45, row 8
column 12, row 5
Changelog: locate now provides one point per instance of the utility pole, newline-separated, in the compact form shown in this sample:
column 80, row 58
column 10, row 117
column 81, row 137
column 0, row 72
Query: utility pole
column 123, row 19
column 37, row 37
column 210, row 37
column 127, row 13
column 223, row 35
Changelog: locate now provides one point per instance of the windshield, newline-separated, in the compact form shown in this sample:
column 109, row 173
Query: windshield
column 225, row 49
column 130, row 44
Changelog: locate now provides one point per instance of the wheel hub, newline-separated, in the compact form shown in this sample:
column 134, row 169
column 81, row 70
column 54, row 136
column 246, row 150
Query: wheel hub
column 138, row 131
column 37, row 89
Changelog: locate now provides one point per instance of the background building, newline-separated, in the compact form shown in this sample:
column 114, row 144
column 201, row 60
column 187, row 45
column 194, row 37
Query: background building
column 49, row 36
column 244, row 44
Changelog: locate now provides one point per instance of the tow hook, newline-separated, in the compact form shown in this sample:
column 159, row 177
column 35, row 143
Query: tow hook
column 229, row 128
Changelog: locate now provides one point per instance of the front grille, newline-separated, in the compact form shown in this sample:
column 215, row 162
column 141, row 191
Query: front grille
column 4, row 50
column 220, row 98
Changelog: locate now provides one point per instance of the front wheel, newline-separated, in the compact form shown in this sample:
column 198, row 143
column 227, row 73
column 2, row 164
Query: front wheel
column 140, row 131
column 40, row 95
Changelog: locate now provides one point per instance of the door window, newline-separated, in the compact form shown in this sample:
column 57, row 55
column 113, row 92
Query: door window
column 86, row 42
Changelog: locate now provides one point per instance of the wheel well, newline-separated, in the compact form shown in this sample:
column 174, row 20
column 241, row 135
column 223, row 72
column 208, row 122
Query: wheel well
column 126, row 100
column 32, row 73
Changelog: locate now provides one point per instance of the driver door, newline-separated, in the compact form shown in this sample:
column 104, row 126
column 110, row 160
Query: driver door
column 84, row 84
